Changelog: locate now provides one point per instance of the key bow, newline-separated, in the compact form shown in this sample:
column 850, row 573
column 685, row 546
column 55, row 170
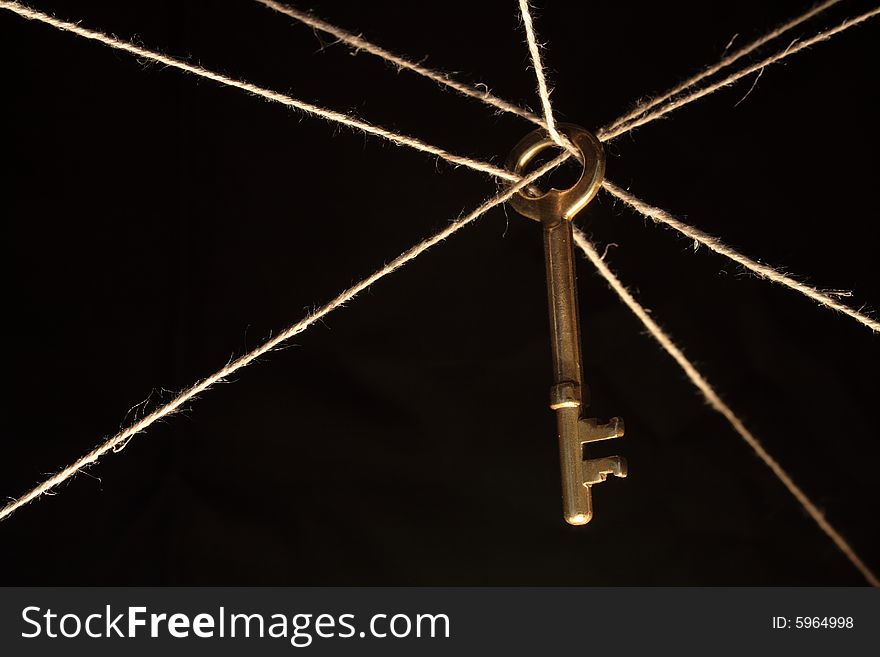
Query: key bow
column 556, row 204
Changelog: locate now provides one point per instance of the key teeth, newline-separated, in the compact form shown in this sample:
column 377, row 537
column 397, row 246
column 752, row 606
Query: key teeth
column 616, row 427
column 591, row 431
column 596, row 471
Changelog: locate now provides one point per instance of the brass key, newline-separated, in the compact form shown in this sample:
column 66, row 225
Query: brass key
column 555, row 210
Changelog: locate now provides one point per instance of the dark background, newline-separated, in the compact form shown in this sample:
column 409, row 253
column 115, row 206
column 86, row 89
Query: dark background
column 157, row 224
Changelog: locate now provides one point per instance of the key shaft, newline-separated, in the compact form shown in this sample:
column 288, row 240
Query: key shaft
column 564, row 317
column 568, row 391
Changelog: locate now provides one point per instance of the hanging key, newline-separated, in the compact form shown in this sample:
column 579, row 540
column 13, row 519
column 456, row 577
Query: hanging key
column 569, row 395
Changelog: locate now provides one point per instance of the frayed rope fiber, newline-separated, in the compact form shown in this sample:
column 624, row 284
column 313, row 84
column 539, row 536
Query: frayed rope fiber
column 359, row 44
column 663, row 217
column 119, row 440
column 714, row 400
column 721, row 64
column 677, row 103
column 538, row 65
column 666, row 343
column 274, row 96
column 641, row 117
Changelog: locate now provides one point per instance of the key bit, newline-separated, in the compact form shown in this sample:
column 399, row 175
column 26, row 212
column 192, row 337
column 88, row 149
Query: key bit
column 595, row 471
column 555, row 210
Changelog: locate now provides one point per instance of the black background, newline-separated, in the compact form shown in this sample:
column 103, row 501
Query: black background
column 157, row 224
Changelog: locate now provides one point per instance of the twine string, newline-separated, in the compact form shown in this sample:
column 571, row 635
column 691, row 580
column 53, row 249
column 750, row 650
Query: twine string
column 677, row 103
column 723, row 63
column 657, row 215
column 358, row 43
column 398, row 138
column 714, row 400
column 666, row 343
column 274, row 96
column 654, row 213
column 621, row 124
column 119, row 440
column 541, row 78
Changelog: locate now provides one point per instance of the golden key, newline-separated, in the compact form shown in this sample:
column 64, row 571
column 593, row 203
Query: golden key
column 555, row 210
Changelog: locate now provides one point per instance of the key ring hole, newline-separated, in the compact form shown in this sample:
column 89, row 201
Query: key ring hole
column 565, row 176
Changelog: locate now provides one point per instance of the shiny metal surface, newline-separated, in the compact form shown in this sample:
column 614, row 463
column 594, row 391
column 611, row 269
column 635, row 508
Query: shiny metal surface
column 558, row 204
column 555, row 209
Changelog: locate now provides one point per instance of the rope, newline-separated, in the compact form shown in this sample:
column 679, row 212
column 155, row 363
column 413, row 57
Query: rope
column 538, row 65
column 795, row 47
column 696, row 378
column 616, row 127
column 359, row 43
column 118, row 441
column 661, row 216
column 718, row 404
column 274, row 96
column 724, row 62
